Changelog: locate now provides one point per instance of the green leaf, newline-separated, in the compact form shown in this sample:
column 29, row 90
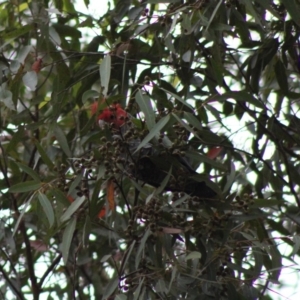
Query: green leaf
column 139, row 188
column 281, row 77
column 268, row 5
column 193, row 255
column 16, row 32
column 187, row 127
column 230, row 179
column 16, row 227
column 23, row 53
column 30, row 80
column 169, row 43
column 166, row 241
column 251, row 10
column 121, row 9
column 178, row 98
column 141, row 248
column 186, row 23
column 60, row 196
column 160, row 286
column 260, row 203
column 196, row 156
column 66, row 30
column 6, row 98
column 137, row 292
column 55, row 37
column 46, row 204
column 105, row 69
column 101, row 171
column 26, row 186
column 67, row 239
column 164, row 183
column 145, row 105
column 161, row 99
column 213, row 14
column 44, row 155
column 174, row 275
column 86, row 231
column 249, row 292
column 89, row 94
column 94, row 198
column 241, row 96
column 296, row 247
column 62, row 140
column 75, row 183
column 258, row 258
column 72, row 208
column 293, row 9
column 121, row 297
column 154, row 132
column 276, row 263
column 110, row 288
column 29, row 171
column 192, row 120
column 128, row 253
column 17, row 137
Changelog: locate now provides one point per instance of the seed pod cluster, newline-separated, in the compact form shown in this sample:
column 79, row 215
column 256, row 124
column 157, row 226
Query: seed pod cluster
column 182, row 133
column 149, row 214
column 63, row 182
column 243, row 203
column 145, row 272
column 86, row 165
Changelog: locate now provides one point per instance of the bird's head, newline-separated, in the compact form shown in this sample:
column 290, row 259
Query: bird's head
column 113, row 114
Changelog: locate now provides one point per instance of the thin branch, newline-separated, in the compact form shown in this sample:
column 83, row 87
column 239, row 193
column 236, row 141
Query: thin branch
column 45, row 80
column 290, row 181
column 30, row 262
column 29, row 257
column 264, row 288
column 12, row 286
column 280, row 148
column 11, row 263
column 28, row 110
column 50, row 269
column 125, row 199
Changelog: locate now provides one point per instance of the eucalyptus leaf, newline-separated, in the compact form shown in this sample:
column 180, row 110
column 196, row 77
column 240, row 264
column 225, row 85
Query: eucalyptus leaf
column 46, row 204
column 72, row 208
column 26, row 186
column 145, row 105
column 67, row 239
column 105, row 69
column 154, row 132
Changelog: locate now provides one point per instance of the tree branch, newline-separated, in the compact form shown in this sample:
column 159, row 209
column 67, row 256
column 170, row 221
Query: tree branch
column 12, row 286
column 51, row 267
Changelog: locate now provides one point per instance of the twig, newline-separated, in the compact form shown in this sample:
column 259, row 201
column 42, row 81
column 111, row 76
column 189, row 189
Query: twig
column 22, row 227
column 12, row 286
column 30, row 262
column 51, row 267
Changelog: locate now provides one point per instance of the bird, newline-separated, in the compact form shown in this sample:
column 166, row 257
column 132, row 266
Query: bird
column 150, row 164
